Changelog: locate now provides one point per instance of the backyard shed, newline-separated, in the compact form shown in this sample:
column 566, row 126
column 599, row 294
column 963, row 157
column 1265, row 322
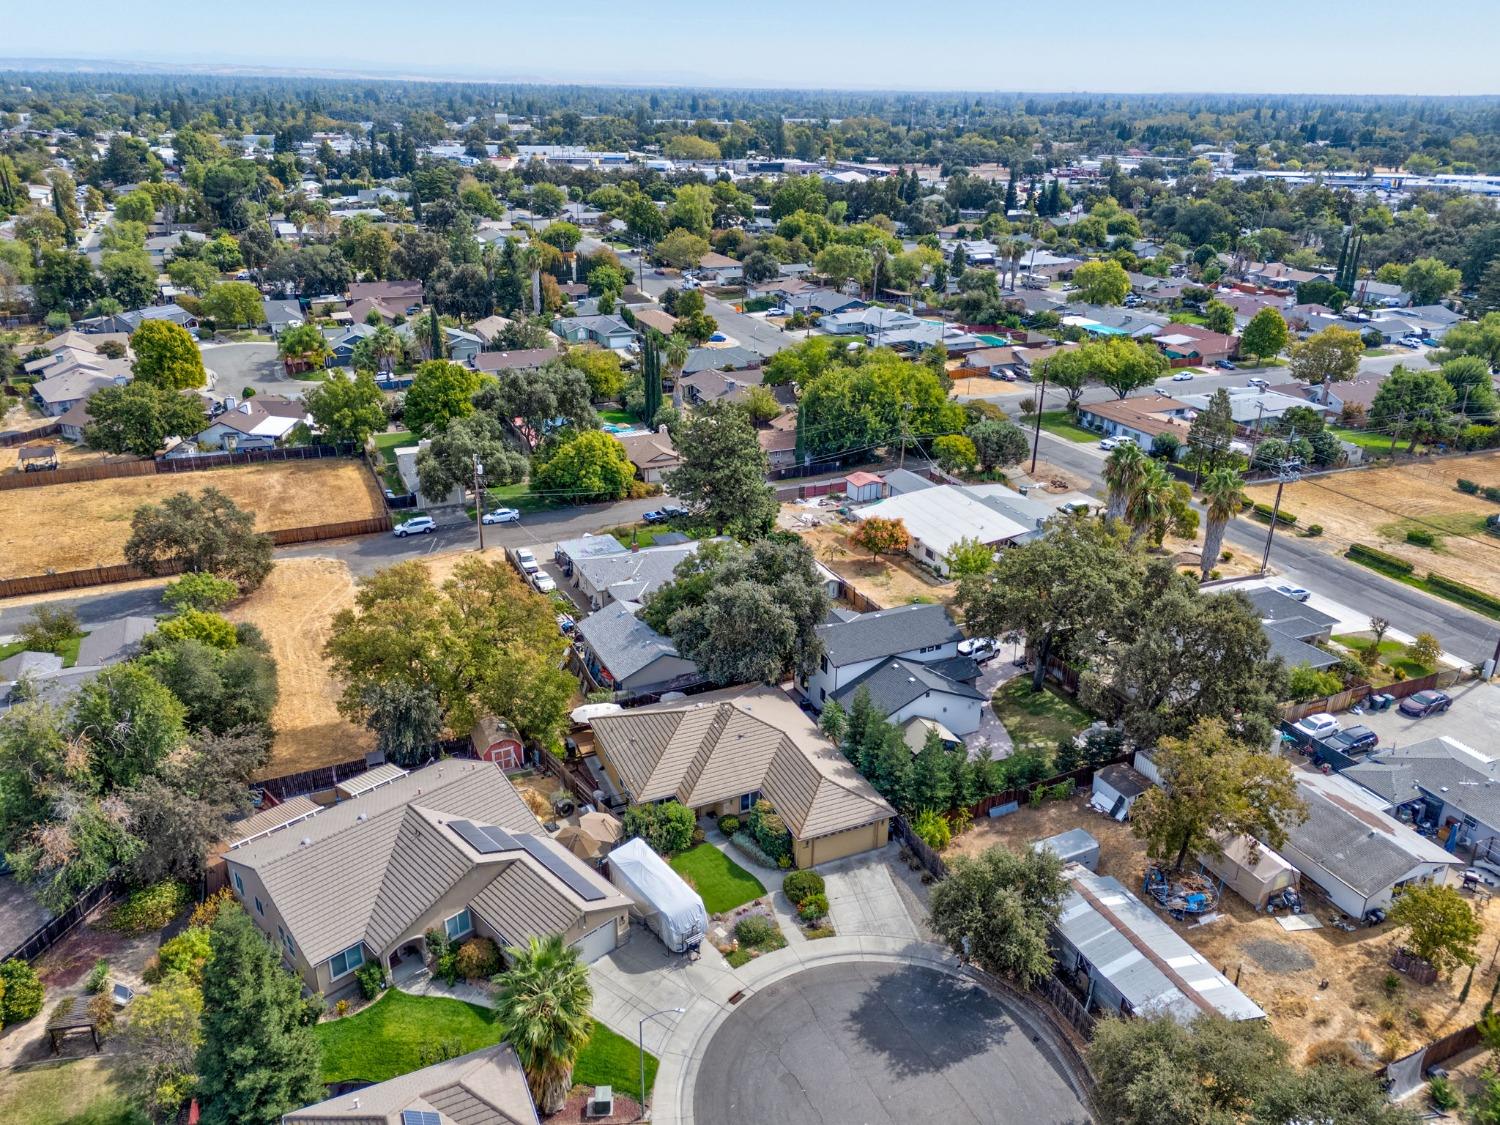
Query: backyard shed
column 495, row 741
column 1254, row 871
column 863, row 486
column 1072, row 846
column 671, row 908
column 362, row 783
column 1115, row 790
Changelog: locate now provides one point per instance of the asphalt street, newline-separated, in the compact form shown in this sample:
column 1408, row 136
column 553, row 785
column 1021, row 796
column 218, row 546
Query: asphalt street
column 1464, row 634
column 237, row 366
column 749, row 331
column 881, row 1044
column 92, row 609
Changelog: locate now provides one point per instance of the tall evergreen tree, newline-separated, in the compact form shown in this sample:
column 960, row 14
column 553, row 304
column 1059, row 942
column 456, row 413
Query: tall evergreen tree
column 259, row 1058
column 651, row 361
column 436, row 334
column 1010, row 193
column 1338, row 273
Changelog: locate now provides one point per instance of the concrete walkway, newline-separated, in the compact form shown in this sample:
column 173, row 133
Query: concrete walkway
column 423, row 983
column 992, row 740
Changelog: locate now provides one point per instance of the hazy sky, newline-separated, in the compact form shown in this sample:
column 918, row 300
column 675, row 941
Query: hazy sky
column 1335, row 46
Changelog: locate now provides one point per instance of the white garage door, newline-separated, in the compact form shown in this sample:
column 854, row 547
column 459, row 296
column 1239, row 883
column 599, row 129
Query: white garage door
column 596, row 943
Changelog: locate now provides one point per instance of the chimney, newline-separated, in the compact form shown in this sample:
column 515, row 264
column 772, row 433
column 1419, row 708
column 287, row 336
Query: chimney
column 662, row 429
column 243, row 408
column 230, row 402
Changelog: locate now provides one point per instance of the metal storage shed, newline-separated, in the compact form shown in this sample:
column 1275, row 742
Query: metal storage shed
column 1072, row 846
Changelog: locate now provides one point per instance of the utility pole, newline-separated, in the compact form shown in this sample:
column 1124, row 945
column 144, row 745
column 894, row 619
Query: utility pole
column 1288, row 472
column 478, row 502
column 1255, row 435
column 1036, row 434
column 905, row 409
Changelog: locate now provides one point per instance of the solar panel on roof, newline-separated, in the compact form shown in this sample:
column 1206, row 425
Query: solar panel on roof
column 483, row 838
column 420, row 1117
column 559, row 867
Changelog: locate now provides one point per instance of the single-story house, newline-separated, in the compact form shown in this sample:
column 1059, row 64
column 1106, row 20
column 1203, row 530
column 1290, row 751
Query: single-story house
column 1439, row 783
column 400, row 296
column 451, row 845
column 732, row 358
column 1141, row 419
column 526, row 359
column 994, row 362
column 113, row 641
column 1279, row 276
column 813, row 302
column 722, row 751
column 922, row 634
column 60, row 393
column 875, row 322
column 606, row 331
column 489, row 328
column 569, row 551
column 631, row 576
column 483, row 1087
column 779, row 440
column 786, row 286
column 901, row 690
column 1251, row 407
column 1294, row 628
column 1356, row 852
column 721, row 269
column 279, row 315
column 938, row 518
column 623, row 653
column 342, row 342
column 1125, row 959
column 1359, row 391
column 256, row 423
column 712, row 385
column 458, row 345
column 652, row 454
column 659, row 319
column 1194, row 342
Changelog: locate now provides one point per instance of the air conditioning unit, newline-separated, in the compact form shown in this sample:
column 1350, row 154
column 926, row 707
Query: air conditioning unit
column 601, row 1103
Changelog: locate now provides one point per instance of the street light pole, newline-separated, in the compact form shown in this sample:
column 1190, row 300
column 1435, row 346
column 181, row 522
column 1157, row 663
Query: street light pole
column 641, row 1042
column 478, row 502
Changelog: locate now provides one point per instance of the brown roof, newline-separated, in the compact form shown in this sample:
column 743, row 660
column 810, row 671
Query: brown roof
column 716, row 261
column 513, row 361
column 990, row 357
column 1147, row 415
column 403, row 293
column 659, row 319
column 650, row 451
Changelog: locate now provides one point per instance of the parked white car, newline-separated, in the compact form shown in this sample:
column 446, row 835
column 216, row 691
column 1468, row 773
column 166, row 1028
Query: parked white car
column 417, row 525
column 1183, row 377
column 1296, row 593
column 1116, row 441
column 502, row 515
column 527, row 561
column 543, row 582
column 1320, row 725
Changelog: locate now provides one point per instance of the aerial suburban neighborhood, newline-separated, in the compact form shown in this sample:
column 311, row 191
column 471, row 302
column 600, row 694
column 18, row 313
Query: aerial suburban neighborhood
column 747, row 599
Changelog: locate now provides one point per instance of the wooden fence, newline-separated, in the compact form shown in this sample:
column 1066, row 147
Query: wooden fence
column 1407, row 1074
column 21, row 437
column 171, row 465
column 124, row 572
column 1343, row 700
column 48, row 934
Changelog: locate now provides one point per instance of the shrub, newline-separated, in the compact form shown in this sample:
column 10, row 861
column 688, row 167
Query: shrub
column 98, row 976
column 341, row 1009
column 150, row 908
column 746, row 843
column 1305, row 682
column 933, row 830
column 21, row 992
column 784, row 863
column 1379, row 560
column 1465, row 595
column 1264, row 511
column 667, row 828
column 186, row 953
column 1469, row 486
column 444, row 956
column 754, row 929
column 770, row 832
column 199, row 625
column 1421, row 537
column 1442, row 1093
column 200, row 590
column 1390, row 984
column 208, row 910
column 813, row 933
column 729, row 825
column 799, row 885
column 477, row 959
column 813, row 907
column 1490, row 492
column 699, row 835
column 1314, row 530
column 371, row 977
column 49, row 628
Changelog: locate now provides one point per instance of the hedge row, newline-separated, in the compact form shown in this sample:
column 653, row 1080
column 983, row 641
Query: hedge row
column 1465, row 595
column 1379, row 560
column 1264, row 511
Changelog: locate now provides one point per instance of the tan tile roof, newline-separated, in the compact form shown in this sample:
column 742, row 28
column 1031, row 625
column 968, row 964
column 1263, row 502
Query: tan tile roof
column 484, row 1087
column 727, row 743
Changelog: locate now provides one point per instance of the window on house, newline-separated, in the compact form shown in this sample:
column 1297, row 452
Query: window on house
column 747, row 802
column 929, row 648
column 342, row 964
column 823, row 662
column 460, row 924
column 286, row 940
column 259, row 909
column 239, row 884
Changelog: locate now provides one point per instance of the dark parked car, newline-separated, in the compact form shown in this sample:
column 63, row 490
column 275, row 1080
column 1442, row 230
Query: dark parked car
column 1354, row 740
column 1224, row 365
column 1425, row 703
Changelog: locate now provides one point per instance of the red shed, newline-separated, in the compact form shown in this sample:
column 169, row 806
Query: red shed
column 494, row 741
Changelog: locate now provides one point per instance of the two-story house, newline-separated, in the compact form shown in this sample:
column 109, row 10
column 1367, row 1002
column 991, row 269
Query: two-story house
column 922, row 634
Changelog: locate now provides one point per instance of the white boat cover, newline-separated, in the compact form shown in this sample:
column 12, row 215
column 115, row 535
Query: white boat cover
column 672, row 909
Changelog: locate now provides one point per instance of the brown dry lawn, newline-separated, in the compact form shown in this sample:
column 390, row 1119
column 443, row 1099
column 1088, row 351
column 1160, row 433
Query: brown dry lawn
column 69, row 455
column 1377, row 507
column 1317, row 986
column 888, row 581
column 982, row 386
column 85, row 524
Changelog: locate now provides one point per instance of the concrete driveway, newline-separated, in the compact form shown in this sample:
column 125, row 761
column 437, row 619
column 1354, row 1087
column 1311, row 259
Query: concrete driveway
column 1473, row 720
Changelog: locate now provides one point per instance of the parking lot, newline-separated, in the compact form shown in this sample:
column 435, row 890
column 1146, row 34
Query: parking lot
column 1473, row 720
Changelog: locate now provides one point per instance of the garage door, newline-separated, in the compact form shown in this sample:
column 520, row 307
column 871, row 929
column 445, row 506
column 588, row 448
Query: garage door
column 596, row 943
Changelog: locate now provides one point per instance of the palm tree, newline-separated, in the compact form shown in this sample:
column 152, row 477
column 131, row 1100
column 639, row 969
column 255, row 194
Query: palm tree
column 542, row 1006
column 532, row 257
column 1148, row 506
column 1122, row 473
column 1223, row 497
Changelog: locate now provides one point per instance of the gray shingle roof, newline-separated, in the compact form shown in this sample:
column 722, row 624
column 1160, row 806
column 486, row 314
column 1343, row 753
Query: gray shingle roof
column 1439, row 767
column 720, row 359
column 894, row 683
column 622, row 641
column 114, row 640
column 1293, row 617
column 888, row 632
column 633, row 575
column 1357, row 846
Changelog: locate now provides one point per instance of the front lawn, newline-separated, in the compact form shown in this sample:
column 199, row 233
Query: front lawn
column 723, row 883
column 1392, row 654
column 618, row 417
column 1038, row 719
column 387, row 444
column 69, row 649
column 386, row 1039
column 1061, row 423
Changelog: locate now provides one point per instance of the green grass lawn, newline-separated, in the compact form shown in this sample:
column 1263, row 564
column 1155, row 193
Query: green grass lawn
column 617, row 417
column 1392, row 654
column 69, row 651
column 1037, row 718
column 723, row 883
column 1061, row 423
column 1376, row 445
column 386, row 1039
column 387, row 444
column 518, row 496
column 86, row 1091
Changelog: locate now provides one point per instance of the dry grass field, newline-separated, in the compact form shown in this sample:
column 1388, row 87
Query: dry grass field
column 1317, row 986
column 86, row 524
column 1377, row 507
column 890, row 581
